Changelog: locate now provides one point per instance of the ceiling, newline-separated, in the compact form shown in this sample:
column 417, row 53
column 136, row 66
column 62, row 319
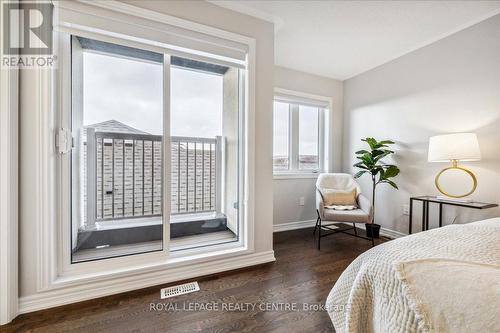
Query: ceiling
column 340, row 39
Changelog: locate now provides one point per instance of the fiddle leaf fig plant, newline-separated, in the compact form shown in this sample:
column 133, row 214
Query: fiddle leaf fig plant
column 370, row 162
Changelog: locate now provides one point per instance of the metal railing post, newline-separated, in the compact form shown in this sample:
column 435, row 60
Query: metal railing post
column 218, row 174
column 91, row 177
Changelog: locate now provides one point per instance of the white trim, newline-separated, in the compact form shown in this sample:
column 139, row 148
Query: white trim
column 293, row 225
column 113, row 21
column 8, row 191
column 143, row 263
column 247, row 234
column 307, row 98
column 297, row 175
column 167, row 154
column 124, row 8
column 311, row 223
column 391, row 233
column 44, row 187
column 102, row 288
column 324, row 105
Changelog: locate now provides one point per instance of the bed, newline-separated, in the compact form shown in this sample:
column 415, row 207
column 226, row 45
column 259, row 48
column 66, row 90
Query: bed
column 441, row 280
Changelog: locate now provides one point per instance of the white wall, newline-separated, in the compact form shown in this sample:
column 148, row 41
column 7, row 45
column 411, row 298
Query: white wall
column 452, row 85
column 287, row 192
column 197, row 11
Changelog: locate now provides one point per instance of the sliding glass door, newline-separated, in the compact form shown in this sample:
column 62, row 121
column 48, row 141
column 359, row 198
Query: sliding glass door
column 120, row 101
column 205, row 144
column 117, row 162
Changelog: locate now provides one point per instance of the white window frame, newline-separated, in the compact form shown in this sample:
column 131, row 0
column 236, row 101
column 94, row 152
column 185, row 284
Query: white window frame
column 295, row 99
column 64, row 282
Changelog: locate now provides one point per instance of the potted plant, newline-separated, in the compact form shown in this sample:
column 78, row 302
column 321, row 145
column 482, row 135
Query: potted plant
column 372, row 164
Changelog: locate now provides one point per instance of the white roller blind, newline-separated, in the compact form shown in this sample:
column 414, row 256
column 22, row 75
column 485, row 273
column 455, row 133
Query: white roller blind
column 88, row 20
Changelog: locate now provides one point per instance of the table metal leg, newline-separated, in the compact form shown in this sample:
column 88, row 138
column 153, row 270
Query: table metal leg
column 440, row 215
column 427, row 215
column 423, row 215
column 410, row 218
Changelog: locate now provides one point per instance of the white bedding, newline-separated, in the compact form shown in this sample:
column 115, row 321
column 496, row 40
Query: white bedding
column 369, row 297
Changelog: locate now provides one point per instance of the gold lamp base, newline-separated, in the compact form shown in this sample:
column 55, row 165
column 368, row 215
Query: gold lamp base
column 456, row 167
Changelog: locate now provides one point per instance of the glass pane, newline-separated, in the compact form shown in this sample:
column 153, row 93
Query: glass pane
column 308, row 137
column 205, row 154
column 117, row 160
column 281, row 127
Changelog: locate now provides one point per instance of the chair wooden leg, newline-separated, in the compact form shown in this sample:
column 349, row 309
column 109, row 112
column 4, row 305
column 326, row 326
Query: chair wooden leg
column 355, row 231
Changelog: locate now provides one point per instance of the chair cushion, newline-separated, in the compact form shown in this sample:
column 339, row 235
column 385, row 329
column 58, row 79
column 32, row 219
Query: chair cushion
column 341, row 207
column 355, row 215
column 333, row 197
column 337, row 181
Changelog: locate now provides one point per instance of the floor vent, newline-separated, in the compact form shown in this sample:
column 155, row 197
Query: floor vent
column 181, row 289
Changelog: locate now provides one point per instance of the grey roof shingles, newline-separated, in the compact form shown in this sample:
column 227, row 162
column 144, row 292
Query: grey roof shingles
column 116, row 127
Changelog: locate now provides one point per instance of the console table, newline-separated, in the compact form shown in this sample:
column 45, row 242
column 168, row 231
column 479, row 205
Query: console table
column 426, row 199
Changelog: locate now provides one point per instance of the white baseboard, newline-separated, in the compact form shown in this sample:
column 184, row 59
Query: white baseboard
column 311, row 223
column 293, row 225
column 63, row 296
column 391, row 233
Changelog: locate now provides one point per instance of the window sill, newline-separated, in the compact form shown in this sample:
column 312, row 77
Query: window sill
column 126, row 266
column 298, row 175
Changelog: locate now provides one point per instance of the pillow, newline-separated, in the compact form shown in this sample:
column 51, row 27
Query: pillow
column 339, row 197
column 334, row 207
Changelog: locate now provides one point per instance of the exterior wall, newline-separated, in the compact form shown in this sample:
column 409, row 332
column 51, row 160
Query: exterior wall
column 194, row 188
column 288, row 192
column 193, row 179
column 230, row 131
column 452, row 85
column 132, row 194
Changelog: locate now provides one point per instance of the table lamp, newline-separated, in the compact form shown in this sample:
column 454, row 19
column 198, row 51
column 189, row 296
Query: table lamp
column 454, row 148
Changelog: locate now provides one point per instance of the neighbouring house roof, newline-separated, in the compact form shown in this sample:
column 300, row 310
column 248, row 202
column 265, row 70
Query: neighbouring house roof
column 115, row 126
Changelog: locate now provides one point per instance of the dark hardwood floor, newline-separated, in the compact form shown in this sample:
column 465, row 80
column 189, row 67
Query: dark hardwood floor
column 301, row 275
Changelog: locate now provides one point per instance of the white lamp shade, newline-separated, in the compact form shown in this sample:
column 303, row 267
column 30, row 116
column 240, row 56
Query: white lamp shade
column 459, row 146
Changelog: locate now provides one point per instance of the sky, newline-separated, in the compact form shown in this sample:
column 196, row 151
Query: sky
column 131, row 92
column 280, row 121
column 308, row 129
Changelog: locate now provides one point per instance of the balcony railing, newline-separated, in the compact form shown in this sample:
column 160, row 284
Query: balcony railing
column 124, row 175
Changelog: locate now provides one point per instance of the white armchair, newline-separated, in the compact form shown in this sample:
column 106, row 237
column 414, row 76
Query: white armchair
column 362, row 214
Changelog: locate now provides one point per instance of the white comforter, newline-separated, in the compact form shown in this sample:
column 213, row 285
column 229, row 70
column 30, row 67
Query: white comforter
column 369, row 297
